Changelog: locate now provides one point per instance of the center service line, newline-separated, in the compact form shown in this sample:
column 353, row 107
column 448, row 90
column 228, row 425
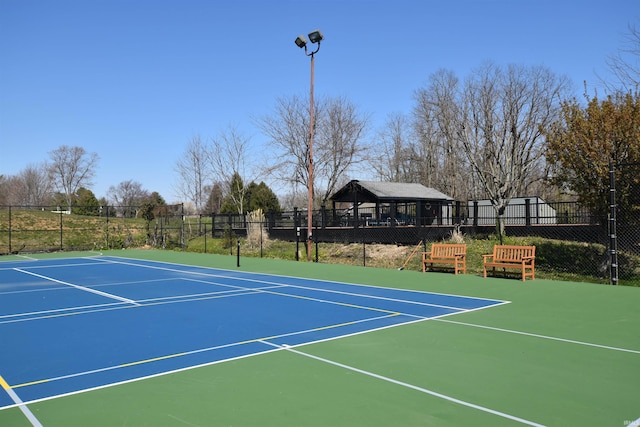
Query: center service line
column 82, row 288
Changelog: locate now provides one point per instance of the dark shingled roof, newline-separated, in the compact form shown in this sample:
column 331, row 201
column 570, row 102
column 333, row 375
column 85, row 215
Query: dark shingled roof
column 371, row 191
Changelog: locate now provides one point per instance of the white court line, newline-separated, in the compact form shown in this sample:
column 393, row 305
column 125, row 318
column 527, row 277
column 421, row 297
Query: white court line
column 635, row 423
column 546, row 337
column 407, row 385
column 82, row 288
column 19, row 403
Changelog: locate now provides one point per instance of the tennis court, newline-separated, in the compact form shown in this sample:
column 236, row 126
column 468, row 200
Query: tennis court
column 162, row 338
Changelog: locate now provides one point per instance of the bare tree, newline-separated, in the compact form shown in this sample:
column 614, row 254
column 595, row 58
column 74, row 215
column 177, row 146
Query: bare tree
column 72, row 168
column 11, row 190
column 625, row 64
column 436, row 125
column 504, row 113
column 194, row 170
column 288, row 130
column 425, row 150
column 36, row 185
column 338, row 146
column 229, row 162
column 339, row 143
column 128, row 196
column 31, row 187
column 392, row 160
column 4, row 190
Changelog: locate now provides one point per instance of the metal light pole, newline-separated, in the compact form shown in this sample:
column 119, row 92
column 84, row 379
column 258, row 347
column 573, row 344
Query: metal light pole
column 314, row 37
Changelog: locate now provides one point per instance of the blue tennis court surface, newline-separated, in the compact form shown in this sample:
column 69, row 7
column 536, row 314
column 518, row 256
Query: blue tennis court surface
column 76, row 324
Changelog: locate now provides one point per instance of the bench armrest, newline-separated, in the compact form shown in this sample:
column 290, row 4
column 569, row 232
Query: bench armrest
column 486, row 257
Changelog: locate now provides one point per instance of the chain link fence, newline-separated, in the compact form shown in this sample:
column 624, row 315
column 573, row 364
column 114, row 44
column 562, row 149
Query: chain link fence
column 30, row 229
column 570, row 242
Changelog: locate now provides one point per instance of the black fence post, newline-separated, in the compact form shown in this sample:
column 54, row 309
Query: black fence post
column 61, row 247
column 613, row 244
column 9, row 229
column 296, row 227
column 324, row 216
column 315, row 239
column 475, row 215
column 230, row 223
column 364, row 253
column 182, row 243
column 107, row 244
column 527, row 212
column 261, row 232
column 271, row 216
column 392, row 218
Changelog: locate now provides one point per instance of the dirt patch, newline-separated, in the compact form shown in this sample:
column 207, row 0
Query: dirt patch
column 387, row 256
column 387, row 252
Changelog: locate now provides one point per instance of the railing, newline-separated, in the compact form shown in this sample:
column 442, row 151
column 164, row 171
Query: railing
column 530, row 212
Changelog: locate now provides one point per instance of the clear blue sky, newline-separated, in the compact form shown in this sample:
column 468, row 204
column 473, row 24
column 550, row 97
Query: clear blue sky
column 135, row 80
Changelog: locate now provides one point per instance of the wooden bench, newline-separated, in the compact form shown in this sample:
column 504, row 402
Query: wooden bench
column 446, row 253
column 522, row 258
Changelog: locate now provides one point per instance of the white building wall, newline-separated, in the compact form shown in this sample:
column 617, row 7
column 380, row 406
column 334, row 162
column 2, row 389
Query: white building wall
column 515, row 212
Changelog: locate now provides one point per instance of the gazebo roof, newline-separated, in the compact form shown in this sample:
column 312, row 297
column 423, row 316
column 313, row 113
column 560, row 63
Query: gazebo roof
column 373, row 191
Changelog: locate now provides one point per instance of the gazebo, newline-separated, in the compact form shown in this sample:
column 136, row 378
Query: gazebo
column 375, row 203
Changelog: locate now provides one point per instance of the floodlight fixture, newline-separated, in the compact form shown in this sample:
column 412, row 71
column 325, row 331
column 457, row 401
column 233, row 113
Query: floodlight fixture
column 301, row 41
column 315, row 36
